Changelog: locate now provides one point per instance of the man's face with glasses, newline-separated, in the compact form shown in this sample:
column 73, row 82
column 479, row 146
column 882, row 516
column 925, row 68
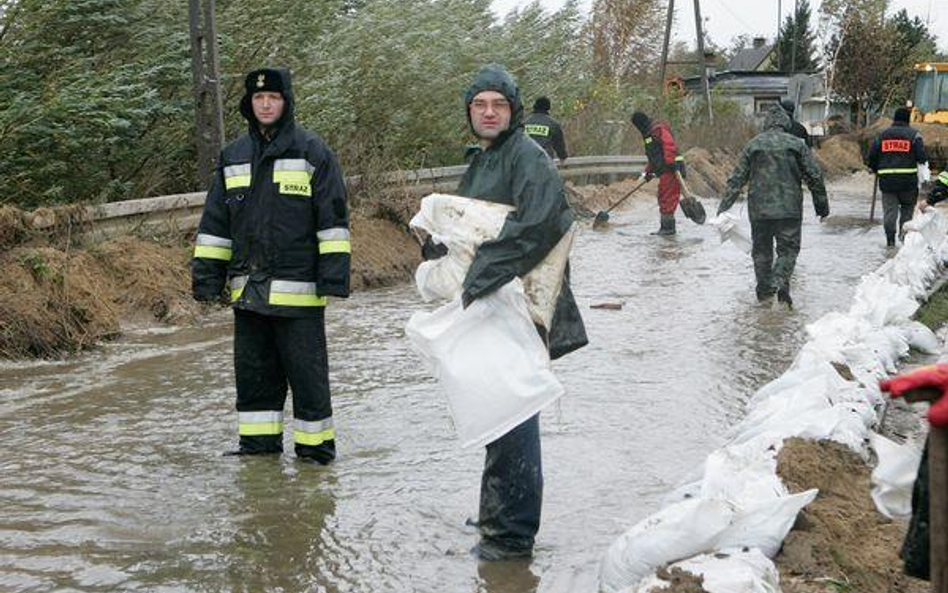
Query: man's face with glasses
column 490, row 114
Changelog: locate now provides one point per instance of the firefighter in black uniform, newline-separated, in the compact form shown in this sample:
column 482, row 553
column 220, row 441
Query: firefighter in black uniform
column 545, row 130
column 275, row 231
column 894, row 157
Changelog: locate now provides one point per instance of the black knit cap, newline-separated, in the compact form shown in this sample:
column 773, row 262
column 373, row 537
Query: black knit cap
column 264, row 79
column 542, row 104
column 902, row 115
column 788, row 106
column 641, row 121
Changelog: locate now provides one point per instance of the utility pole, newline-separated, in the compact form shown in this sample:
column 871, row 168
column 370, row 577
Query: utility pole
column 777, row 36
column 699, row 32
column 205, row 76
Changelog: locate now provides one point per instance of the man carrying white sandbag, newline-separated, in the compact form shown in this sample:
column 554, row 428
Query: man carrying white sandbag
column 507, row 167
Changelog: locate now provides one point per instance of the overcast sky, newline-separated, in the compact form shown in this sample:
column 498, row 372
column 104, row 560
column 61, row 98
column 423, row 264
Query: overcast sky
column 726, row 19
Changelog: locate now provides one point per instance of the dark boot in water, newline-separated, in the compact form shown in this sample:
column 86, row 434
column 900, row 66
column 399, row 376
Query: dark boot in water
column 667, row 225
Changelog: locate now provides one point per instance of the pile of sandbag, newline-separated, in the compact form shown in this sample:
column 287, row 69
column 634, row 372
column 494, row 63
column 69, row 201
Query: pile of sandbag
column 740, row 503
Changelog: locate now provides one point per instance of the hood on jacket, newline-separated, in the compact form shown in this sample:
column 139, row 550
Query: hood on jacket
column 268, row 79
column 494, row 77
column 777, row 117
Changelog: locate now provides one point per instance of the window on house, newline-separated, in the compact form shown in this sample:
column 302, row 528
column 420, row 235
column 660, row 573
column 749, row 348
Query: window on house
column 762, row 104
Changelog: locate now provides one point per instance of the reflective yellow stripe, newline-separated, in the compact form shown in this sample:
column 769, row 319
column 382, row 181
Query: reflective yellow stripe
column 208, row 252
column 301, row 177
column 237, row 181
column 943, row 177
column 334, row 247
column 897, row 171
column 679, row 158
column 251, row 429
column 648, row 140
column 311, row 438
column 237, row 284
column 297, row 300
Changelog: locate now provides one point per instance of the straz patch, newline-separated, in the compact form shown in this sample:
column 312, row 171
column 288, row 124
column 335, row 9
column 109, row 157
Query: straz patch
column 295, row 189
column 896, row 145
column 537, row 130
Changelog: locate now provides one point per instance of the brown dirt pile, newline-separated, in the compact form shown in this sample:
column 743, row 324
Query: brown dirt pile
column 56, row 300
column 53, row 303
column 840, row 542
column 840, row 155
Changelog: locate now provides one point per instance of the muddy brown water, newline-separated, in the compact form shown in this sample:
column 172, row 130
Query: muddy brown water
column 111, row 477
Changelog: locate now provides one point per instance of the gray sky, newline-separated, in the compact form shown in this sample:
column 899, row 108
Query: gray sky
column 726, row 19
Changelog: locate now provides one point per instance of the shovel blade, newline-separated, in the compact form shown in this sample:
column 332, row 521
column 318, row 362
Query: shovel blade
column 602, row 217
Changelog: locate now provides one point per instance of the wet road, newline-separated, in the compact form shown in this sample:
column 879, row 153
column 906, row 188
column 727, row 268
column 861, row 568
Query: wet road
column 111, row 477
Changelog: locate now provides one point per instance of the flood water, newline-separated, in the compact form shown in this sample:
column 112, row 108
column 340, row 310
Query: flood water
column 111, row 477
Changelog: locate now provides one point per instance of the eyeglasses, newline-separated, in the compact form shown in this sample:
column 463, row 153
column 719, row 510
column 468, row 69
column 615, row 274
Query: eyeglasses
column 481, row 105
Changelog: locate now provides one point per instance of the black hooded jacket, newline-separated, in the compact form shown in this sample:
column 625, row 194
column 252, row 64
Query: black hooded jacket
column 515, row 171
column 275, row 224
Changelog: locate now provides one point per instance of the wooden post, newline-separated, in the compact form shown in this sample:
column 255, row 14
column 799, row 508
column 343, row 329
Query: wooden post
column 875, row 189
column 205, row 78
column 937, row 493
column 938, row 502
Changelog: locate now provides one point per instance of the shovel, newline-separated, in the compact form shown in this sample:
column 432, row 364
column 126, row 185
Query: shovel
column 602, row 216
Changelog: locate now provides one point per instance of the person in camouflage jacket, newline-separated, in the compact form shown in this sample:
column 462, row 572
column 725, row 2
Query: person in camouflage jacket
column 772, row 165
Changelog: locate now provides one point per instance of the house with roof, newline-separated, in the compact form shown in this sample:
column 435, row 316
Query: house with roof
column 751, row 81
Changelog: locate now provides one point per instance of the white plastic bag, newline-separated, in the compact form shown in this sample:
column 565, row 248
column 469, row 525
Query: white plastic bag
column 489, row 360
column 727, row 571
column 730, row 230
column 462, row 224
column 676, row 532
column 894, row 476
column 764, row 524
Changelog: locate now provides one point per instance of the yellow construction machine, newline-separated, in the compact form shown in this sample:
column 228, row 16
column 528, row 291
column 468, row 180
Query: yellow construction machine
column 930, row 96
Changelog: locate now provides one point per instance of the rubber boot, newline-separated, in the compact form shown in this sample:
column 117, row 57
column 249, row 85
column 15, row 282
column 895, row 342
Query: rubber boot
column 667, row 225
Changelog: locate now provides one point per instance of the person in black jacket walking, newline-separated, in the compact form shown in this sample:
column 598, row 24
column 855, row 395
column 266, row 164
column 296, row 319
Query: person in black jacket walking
column 275, row 230
column 894, row 156
column 545, row 130
column 796, row 128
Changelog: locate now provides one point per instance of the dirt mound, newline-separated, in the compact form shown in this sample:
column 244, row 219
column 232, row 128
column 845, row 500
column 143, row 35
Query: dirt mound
column 707, row 171
column 151, row 281
column 383, row 253
column 840, row 542
column 53, row 302
column 840, row 155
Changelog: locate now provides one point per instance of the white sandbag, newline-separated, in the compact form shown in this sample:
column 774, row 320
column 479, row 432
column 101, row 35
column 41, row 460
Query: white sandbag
column 920, row 337
column 462, row 224
column 764, row 524
column 727, row 571
column 730, row 230
column 489, row 360
column 893, row 476
column 743, row 473
column 676, row 532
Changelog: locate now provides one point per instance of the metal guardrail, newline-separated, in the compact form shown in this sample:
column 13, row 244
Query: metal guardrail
column 183, row 211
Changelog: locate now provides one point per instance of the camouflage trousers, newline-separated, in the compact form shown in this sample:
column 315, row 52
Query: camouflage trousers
column 785, row 233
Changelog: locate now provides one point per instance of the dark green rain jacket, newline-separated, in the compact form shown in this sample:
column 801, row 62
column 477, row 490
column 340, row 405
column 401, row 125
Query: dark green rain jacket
column 515, row 171
column 772, row 165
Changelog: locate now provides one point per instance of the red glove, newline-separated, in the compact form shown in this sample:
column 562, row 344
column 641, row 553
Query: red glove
column 935, row 377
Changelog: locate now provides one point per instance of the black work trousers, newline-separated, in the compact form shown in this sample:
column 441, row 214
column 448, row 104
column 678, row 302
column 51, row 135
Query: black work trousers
column 897, row 209
column 271, row 353
column 512, row 492
column 773, row 276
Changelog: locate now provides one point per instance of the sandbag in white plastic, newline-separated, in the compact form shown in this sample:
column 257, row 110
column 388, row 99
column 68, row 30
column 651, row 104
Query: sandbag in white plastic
column 731, row 231
column 676, row 532
column 462, row 224
column 763, row 524
column 742, row 473
column 920, row 337
column 893, row 476
column 728, row 571
column 489, row 360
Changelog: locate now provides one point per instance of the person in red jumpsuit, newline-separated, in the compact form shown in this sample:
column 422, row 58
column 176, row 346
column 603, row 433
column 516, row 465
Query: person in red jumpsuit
column 664, row 163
